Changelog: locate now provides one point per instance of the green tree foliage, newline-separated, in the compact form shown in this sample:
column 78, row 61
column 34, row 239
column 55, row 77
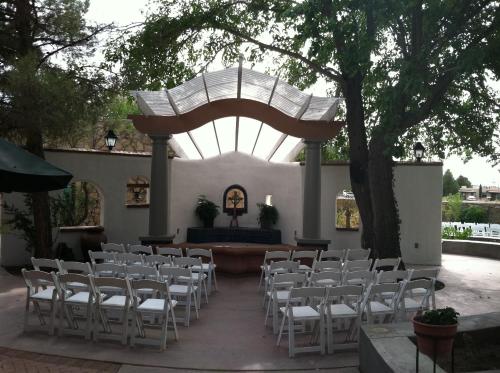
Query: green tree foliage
column 450, row 185
column 453, row 208
column 407, row 69
column 463, row 181
column 475, row 214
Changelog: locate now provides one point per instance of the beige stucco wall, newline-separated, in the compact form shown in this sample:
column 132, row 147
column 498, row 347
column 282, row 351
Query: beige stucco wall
column 418, row 191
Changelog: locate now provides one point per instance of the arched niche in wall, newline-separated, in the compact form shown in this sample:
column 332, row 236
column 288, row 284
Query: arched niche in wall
column 232, row 192
column 347, row 213
column 137, row 192
column 78, row 205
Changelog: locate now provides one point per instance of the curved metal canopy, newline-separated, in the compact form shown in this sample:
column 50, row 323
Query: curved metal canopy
column 237, row 109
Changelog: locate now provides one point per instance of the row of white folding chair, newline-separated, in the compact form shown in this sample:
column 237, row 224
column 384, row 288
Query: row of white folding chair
column 99, row 304
column 122, row 248
column 348, row 302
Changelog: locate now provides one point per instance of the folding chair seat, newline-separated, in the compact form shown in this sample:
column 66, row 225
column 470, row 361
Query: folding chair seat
column 270, row 256
column 169, row 251
column 40, row 289
column 157, row 260
column 357, row 265
column 283, row 266
column 302, row 307
column 140, row 249
column 364, row 277
column 327, row 265
column 387, row 277
column 208, row 265
column 333, row 255
column 181, row 286
column 409, row 303
column 141, row 272
column 305, row 258
column 357, row 254
column 378, row 307
column 325, row 278
column 199, row 277
column 386, row 264
column 129, row 259
column 101, row 257
column 431, row 274
column 278, row 294
column 113, row 247
column 343, row 303
column 160, row 307
column 111, row 307
column 78, row 268
column 75, row 292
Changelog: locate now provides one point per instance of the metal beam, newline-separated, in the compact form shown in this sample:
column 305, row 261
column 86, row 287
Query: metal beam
column 240, row 73
column 272, row 91
column 143, row 105
column 172, row 103
column 236, row 134
column 216, row 136
column 177, row 148
column 276, row 146
column 257, row 138
column 205, row 85
column 304, row 107
column 195, row 144
column 332, row 111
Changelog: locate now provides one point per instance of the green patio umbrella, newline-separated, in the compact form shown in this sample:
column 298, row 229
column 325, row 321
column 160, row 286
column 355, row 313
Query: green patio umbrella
column 21, row 171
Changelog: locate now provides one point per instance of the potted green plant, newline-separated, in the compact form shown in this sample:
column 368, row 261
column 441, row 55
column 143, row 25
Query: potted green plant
column 206, row 211
column 268, row 215
column 435, row 331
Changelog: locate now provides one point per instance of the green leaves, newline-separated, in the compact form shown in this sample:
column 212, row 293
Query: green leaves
column 440, row 316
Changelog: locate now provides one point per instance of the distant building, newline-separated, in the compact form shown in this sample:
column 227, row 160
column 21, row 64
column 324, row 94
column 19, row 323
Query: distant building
column 489, row 193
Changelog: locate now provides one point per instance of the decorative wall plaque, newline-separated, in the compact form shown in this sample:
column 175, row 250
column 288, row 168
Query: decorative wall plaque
column 235, row 203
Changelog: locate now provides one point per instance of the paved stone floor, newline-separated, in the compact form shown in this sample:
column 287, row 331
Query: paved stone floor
column 229, row 335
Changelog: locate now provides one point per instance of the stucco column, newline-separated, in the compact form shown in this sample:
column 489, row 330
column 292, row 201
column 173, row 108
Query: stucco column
column 311, row 215
column 158, row 192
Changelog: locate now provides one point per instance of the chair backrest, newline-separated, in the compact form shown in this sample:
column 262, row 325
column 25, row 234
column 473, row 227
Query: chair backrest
column 275, row 256
column 304, row 254
column 377, row 292
column 66, row 281
column 334, row 254
column 327, row 265
column 140, row 249
column 41, row 263
column 156, row 260
column 425, row 273
column 129, row 258
column 357, row 254
column 201, row 253
column 187, row 261
column 75, row 267
column 384, row 277
column 35, row 279
column 160, row 287
column 357, row 277
column 408, row 286
column 101, row 256
column 102, row 285
column 109, row 270
column 325, row 278
column 288, row 280
column 357, row 265
column 283, row 266
column 386, row 264
column 113, row 247
column 171, row 274
column 171, row 251
column 348, row 294
column 307, row 295
column 141, row 272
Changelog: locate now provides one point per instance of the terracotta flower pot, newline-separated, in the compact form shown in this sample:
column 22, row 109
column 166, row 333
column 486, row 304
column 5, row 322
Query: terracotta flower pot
column 438, row 337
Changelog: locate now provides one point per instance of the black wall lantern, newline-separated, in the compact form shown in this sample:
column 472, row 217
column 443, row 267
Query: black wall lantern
column 110, row 139
column 418, row 151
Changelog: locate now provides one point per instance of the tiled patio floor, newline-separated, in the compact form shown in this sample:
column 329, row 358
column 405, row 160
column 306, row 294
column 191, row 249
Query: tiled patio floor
column 229, row 335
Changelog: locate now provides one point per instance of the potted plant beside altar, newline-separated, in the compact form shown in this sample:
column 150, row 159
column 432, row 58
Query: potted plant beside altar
column 268, row 215
column 206, row 211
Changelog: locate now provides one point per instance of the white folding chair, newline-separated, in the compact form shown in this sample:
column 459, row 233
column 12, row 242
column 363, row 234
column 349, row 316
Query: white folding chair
column 42, row 264
column 304, row 256
column 182, row 289
column 208, row 265
column 379, row 308
column 140, row 272
column 386, row 264
column 364, row 277
column 334, row 254
column 129, row 259
column 278, row 294
column 75, row 292
column 268, row 258
column 199, row 277
column 113, row 247
column 387, row 277
column 343, row 303
column 325, row 278
column 357, row 254
column 140, row 249
column 357, row 265
column 283, row 266
column 327, row 265
column 78, row 268
column 101, row 257
column 409, row 303
column 40, row 289
column 157, row 260
column 107, row 307
column 303, row 305
column 170, row 251
column 161, row 307
column 431, row 274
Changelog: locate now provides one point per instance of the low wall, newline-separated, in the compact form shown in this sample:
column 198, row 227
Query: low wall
column 482, row 249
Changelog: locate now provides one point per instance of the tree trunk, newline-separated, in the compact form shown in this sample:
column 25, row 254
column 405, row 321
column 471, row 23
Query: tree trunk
column 41, row 205
column 358, row 153
column 384, row 205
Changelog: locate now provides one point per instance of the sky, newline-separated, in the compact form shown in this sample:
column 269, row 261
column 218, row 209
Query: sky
column 123, row 12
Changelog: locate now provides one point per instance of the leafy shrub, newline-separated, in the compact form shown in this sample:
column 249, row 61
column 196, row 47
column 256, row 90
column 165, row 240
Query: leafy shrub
column 268, row 215
column 475, row 214
column 207, row 211
column 453, row 233
column 440, row 316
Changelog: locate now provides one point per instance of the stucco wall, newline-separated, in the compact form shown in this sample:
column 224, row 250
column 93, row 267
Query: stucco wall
column 418, row 191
